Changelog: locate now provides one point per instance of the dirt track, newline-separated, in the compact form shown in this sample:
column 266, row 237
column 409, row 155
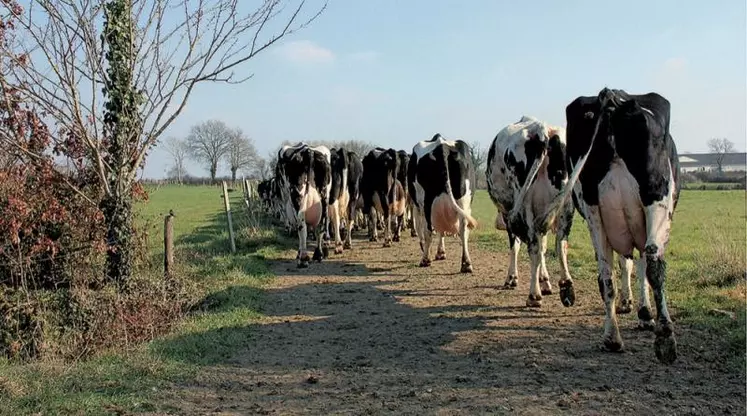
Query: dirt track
column 368, row 332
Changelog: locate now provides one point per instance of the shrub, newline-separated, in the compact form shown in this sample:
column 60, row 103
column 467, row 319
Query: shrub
column 54, row 300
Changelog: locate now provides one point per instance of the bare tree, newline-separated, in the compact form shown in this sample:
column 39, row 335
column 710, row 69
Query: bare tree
column 263, row 168
column 163, row 49
column 241, row 153
column 479, row 159
column 177, row 149
column 208, row 142
column 720, row 146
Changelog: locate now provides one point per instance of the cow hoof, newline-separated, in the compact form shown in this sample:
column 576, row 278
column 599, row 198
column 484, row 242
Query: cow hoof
column 413, row 233
column 347, row 246
column 534, row 301
column 545, row 288
column 440, row 256
column 466, row 268
column 395, row 239
column 387, row 244
column 324, row 252
column 665, row 347
column 318, row 256
column 625, row 307
column 613, row 344
column 373, row 239
column 511, row 282
column 338, row 249
column 425, row 263
column 302, row 264
column 567, row 294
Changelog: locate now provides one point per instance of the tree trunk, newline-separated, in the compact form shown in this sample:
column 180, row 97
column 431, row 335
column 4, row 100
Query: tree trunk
column 213, row 171
column 117, row 212
column 123, row 127
column 233, row 174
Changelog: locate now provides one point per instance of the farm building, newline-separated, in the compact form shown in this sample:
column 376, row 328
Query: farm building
column 707, row 162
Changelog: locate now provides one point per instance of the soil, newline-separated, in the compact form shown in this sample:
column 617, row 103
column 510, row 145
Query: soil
column 369, row 332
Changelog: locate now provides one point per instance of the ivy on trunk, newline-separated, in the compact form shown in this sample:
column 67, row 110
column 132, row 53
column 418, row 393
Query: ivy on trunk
column 123, row 127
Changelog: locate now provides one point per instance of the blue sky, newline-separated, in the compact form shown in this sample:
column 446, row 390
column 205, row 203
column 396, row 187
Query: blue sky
column 396, row 72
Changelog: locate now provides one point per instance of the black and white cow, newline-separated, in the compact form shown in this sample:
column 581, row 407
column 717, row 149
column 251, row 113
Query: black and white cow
column 403, row 158
column 382, row 193
column 440, row 177
column 525, row 171
column 626, row 183
column 305, row 175
column 346, row 175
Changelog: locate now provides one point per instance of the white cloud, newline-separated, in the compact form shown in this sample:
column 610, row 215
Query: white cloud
column 306, row 52
column 364, row 56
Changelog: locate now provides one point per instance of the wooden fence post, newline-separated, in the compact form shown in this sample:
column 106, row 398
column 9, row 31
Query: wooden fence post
column 227, row 204
column 168, row 244
column 249, row 190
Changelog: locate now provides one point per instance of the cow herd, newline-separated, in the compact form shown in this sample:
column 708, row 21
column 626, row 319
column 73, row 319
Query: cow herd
column 615, row 163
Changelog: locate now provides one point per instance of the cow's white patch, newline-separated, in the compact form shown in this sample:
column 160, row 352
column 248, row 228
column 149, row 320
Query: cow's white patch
column 659, row 218
column 423, row 148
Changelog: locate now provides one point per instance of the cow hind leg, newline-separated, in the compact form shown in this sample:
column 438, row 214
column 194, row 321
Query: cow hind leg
column 335, row 214
column 425, row 237
column 658, row 227
column 464, row 234
column 412, row 222
column 512, row 279
column 611, row 339
column 625, row 305
column 349, row 225
column 373, row 232
column 544, row 277
column 441, row 252
column 303, row 255
column 535, row 296
column 387, row 230
column 565, row 284
column 645, row 317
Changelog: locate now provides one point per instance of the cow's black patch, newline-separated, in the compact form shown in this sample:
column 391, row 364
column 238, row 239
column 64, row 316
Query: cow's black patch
column 634, row 128
column 556, row 168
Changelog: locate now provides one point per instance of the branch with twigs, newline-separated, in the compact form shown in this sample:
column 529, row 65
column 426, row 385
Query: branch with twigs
column 179, row 45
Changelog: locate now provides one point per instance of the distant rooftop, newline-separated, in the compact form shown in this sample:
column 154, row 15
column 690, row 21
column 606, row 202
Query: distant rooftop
column 708, row 159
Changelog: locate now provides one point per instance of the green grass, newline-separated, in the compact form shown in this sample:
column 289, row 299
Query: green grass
column 705, row 259
column 133, row 380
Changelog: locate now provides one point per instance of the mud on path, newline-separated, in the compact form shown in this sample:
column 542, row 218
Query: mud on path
column 369, row 332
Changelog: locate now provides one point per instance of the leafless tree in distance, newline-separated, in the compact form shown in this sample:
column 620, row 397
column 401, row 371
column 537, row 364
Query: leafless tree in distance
column 241, row 153
column 720, row 146
column 479, row 159
column 208, row 143
column 177, row 149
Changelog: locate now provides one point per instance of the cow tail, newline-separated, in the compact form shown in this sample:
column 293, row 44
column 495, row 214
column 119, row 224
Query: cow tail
column 519, row 202
column 471, row 222
column 542, row 222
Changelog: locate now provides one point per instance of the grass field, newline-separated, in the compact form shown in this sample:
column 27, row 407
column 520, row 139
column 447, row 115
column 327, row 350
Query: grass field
column 706, row 272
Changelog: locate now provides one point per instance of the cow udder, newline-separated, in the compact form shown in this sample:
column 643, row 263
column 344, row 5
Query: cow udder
column 312, row 207
column 444, row 217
